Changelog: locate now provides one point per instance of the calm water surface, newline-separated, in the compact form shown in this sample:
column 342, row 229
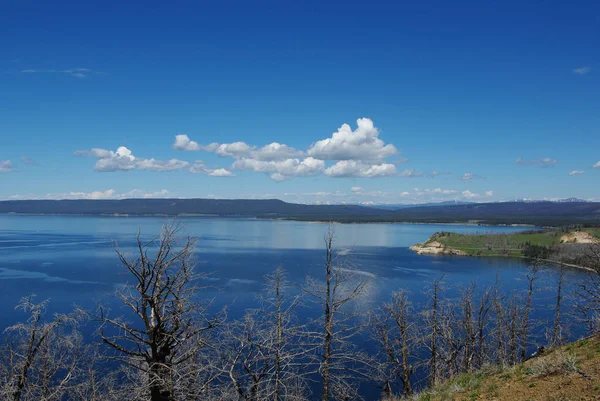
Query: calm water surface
column 71, row 259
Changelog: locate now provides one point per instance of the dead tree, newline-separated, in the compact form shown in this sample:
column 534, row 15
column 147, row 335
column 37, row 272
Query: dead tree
column 263, row 353
column 41, row 358
column 432, row 338
column 500, row 320
column 532, row 274
column 557, row 327
column 588, row 293
column 394, row 329
column 171, row 324
column 470, row 332
column 339, row 364
column 483, row 317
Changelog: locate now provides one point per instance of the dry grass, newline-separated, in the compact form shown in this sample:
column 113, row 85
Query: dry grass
column 570, row 373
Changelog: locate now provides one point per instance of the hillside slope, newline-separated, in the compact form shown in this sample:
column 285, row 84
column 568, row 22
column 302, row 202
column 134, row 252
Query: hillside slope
column 569, row 373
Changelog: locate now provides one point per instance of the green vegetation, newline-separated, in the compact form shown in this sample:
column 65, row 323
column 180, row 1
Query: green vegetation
column 498, row 244
column 569, row 245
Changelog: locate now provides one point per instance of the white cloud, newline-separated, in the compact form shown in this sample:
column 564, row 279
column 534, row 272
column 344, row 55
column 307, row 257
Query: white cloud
column 161, row 165
column 597, row 165
column 237, row 150
column 356, row 189
column 470, row 176
column 183, row 142
column 432, row 192
column 108, row 194
column 123, row 160
column 353, row 168
column 282, row 169
column 221, row 172
column 410, row 173
column 6, row 166
column 199, row 168
column 362, row 144
column 278, row 177
column 358, row 153
column 544, row 162
column 576, row 172
column 471, row 195
column 582, row 70
column 275, row 151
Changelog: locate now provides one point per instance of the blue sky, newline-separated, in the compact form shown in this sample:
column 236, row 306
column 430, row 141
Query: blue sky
column 385, row 102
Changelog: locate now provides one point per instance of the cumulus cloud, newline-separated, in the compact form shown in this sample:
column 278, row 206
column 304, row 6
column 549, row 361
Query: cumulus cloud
column 123, row 160
column 357, row 153
column 280, row 170
column 544, row 162
column 221, row 172
column 597, row 165
column 237, row 150
column 576, row 172
column 362, row 144
column 356, row 189
column 200, row 168
column 183, row 142
column 470, row 176
column 353, row 168
column 278, row 177
column 161, row 165
column 6, row 166
column 582, row 70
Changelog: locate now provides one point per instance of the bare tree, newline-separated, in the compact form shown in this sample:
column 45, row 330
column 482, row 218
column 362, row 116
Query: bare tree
column 483, row 316
column 432, row 338
column 395, row 332
column 588, row 294
column 557, row 327
column 263, row 353
column 468, row 327
column 171, row 324
column 40, row 359
column 339, row 363
column 532, row 274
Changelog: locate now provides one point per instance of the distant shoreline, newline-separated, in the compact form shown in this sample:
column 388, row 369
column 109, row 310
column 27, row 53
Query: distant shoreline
column 293, row 219
column 515, row 214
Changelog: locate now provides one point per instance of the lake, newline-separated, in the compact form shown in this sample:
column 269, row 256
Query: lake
column 72, row 260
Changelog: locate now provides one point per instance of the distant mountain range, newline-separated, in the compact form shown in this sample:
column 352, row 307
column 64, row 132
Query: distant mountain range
column 516, row 212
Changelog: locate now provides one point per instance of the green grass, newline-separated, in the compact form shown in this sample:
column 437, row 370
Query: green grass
column 594, row 231
column 497, row 244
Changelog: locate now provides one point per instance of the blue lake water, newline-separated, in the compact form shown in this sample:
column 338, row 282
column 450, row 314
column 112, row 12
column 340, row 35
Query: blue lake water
column 71, row 259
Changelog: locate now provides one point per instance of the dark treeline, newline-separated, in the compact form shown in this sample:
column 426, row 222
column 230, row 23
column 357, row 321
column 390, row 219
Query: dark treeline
column 172, row 346
column 543, row 213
